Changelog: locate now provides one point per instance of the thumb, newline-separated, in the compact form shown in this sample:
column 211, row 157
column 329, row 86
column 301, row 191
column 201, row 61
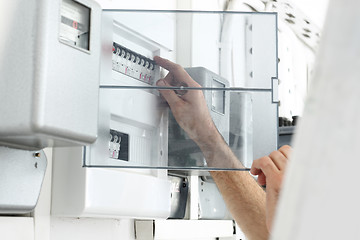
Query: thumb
column 170, row 96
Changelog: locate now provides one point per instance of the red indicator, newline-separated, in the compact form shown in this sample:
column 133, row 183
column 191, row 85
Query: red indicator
column 113, row 49
column 75, row 24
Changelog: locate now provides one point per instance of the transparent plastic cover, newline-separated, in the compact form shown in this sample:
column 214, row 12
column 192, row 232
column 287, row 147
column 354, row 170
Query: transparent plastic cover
column 221, row 72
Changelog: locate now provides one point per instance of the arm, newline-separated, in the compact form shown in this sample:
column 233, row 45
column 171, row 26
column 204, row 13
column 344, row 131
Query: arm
column 243, row 196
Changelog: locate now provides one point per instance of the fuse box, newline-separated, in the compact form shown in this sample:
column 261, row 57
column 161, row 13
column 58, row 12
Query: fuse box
column 138, row 140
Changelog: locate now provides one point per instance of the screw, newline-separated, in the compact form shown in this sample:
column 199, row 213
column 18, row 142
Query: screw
column 37, row 155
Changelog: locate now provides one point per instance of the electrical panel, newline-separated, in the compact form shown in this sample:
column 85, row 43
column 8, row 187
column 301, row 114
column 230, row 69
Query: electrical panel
column 132, row 122
column 138, row 138
column 132, row 132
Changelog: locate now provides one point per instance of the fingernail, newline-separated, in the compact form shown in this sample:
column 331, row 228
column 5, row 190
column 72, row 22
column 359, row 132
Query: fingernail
column 160, row 83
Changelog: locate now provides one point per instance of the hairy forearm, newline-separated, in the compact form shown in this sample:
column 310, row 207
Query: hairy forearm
column 244, row 198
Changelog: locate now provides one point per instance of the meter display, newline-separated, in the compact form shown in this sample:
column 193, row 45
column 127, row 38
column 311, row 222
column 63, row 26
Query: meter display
column 218, row 97
column 75, row 24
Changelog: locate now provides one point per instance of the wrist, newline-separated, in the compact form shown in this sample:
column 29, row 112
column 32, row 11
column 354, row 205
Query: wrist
column 210, row 140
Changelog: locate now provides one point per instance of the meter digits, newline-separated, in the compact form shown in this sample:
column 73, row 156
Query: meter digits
column 75, row 24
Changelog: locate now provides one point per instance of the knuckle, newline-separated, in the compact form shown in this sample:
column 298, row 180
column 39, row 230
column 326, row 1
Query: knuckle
column 275, row 154
column 265, row 162
column 177, row 67
column 286, row 150
column 285, row 147
column 258, row 161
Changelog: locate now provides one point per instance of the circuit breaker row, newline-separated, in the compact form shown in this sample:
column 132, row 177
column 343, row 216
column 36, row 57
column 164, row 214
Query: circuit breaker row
column 133, row 64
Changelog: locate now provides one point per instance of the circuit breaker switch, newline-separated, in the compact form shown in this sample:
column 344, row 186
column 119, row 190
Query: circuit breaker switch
column 123, row 53
column 128, row 56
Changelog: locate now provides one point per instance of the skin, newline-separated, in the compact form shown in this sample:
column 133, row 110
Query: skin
column 270, row 171
column 252, row 209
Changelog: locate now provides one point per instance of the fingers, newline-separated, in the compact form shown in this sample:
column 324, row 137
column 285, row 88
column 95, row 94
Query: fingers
column 169, row 95
column 279, row 159
column 167, row 64
column 281, row 156
column 179, row 76
column 269, row 167
column 262, row 179
column 264, row 165
column 286, row 150
column 265, row 169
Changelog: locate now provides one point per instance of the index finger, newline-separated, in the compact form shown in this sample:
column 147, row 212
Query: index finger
column 167, row 64
column 179, row 76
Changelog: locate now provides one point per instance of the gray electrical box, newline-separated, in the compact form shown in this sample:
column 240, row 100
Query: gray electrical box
column 183, row 151
column 49, row 72
column 21, row 177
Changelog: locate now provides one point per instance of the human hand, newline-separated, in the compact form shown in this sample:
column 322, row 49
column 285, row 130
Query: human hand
column 270, row 171
column 189, row 109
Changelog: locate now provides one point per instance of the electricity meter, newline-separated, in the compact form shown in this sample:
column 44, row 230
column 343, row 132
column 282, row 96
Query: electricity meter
column 49, row 73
